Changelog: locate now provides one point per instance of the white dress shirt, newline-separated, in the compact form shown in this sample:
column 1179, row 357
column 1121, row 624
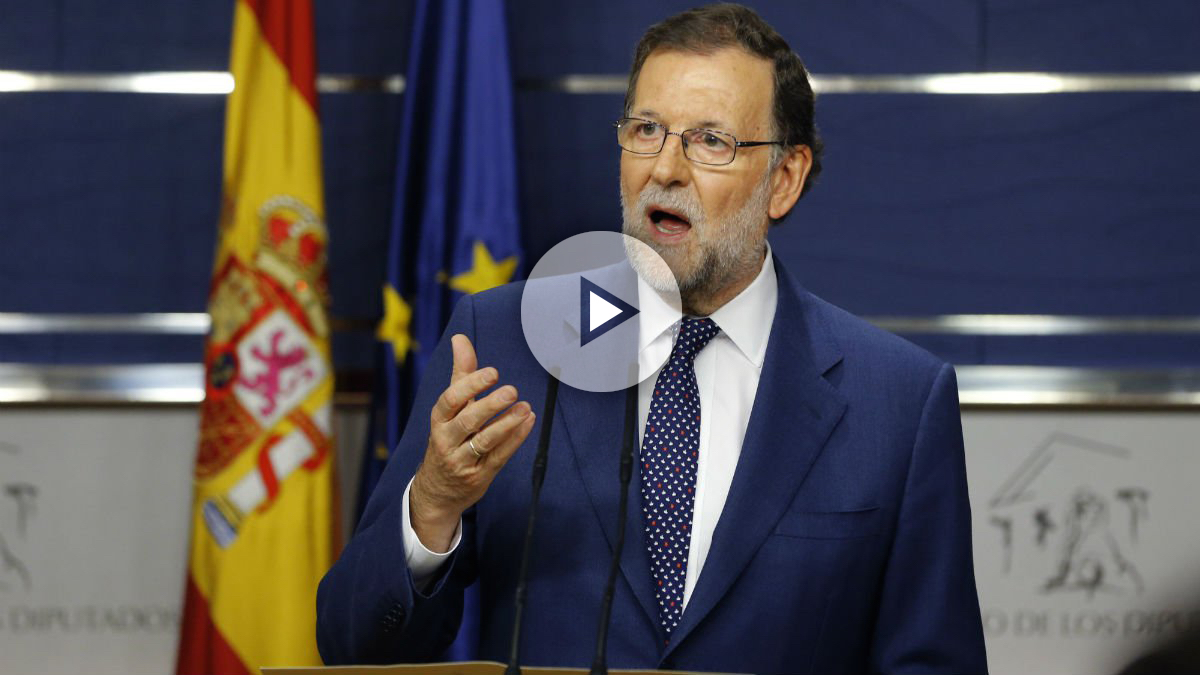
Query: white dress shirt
column 727, row 374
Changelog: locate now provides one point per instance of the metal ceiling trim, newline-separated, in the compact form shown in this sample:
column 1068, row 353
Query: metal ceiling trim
column 197, row 323
column 215, row 82
column 985, row 386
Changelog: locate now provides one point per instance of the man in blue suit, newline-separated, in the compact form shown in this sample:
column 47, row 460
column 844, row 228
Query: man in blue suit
column 800, row 503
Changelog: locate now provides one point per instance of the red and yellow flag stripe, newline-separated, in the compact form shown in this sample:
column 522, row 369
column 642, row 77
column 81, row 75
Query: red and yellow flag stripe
column 264, row 505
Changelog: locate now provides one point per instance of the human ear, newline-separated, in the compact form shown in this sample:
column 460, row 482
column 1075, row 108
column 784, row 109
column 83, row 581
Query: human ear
column 787, row 181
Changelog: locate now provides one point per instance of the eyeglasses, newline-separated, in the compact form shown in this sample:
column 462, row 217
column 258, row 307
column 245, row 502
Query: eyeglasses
column 703, row 146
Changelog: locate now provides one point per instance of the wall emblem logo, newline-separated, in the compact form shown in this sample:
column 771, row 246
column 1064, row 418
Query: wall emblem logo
column 1069, row 522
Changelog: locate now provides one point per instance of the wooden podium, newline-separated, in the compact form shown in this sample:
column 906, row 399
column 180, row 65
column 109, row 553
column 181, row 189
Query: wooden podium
column 460, row 668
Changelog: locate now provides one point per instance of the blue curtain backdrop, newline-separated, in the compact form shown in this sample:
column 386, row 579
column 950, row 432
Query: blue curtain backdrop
column 454, row 226
column 929, row 204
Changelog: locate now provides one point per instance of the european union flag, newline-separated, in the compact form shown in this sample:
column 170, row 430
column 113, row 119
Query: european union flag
column 454, row 222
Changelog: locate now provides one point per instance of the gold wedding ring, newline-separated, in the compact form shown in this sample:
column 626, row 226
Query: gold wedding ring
column 471, row 444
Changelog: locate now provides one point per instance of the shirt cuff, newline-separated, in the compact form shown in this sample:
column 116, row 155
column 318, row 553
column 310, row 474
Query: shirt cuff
column 422, row 562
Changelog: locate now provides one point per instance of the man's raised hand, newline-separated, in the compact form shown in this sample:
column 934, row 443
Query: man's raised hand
column 469, row 442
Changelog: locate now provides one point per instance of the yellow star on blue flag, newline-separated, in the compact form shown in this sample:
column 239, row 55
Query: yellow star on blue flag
column 485, row 272
column 394, row 328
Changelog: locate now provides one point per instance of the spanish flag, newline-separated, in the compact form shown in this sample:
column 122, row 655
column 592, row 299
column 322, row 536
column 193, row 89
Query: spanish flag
column 264, row 508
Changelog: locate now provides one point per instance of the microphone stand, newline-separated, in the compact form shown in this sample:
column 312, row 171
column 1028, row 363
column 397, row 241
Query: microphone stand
column 539, row 476
column 600, row 662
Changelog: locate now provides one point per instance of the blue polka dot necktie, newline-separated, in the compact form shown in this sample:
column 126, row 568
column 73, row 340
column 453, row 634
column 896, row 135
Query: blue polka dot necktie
column 670, row 452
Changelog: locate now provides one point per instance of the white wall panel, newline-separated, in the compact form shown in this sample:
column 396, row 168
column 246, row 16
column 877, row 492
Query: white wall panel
column 93, row 520
column 1086, row 540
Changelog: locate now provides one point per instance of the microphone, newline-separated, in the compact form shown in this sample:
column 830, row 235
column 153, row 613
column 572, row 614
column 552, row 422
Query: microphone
column 539, row 476
column 600, row 662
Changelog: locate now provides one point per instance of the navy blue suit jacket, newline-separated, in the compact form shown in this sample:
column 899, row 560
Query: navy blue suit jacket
column 844, row 545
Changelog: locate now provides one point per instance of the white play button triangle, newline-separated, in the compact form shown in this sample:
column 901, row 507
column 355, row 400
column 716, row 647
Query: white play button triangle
column 601, row 311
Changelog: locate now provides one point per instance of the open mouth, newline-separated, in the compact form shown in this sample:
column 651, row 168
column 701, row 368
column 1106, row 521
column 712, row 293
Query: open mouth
column 668, row 222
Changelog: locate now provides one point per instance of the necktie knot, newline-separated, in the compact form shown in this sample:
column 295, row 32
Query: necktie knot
column 693, row 335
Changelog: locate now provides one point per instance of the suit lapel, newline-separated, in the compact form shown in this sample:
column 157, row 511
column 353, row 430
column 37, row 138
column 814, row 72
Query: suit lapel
column 594, row 422
column 795, row 411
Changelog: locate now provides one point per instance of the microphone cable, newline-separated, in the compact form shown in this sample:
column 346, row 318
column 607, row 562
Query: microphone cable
column 539, row 476
column 600, row 662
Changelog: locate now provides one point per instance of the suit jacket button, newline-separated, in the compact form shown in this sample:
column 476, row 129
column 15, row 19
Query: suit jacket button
column 393, row 619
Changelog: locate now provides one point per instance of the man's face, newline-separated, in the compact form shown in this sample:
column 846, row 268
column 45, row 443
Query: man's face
column 707, row 222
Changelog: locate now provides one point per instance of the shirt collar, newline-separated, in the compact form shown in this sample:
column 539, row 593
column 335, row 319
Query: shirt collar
column 658, row 314
column 746, row 319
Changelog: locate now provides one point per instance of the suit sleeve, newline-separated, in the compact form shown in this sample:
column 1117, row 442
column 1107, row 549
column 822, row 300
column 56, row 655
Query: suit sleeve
column 369, row 609
column 928, row 619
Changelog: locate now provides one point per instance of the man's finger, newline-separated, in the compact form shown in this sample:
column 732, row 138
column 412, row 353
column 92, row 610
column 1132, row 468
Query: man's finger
column 460, row 393
column 499, row 456
column 465, row 362
column 476, row 414
column 495, row 434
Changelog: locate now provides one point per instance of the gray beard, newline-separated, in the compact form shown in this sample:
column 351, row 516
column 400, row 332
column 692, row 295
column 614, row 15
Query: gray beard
column 726, row 250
